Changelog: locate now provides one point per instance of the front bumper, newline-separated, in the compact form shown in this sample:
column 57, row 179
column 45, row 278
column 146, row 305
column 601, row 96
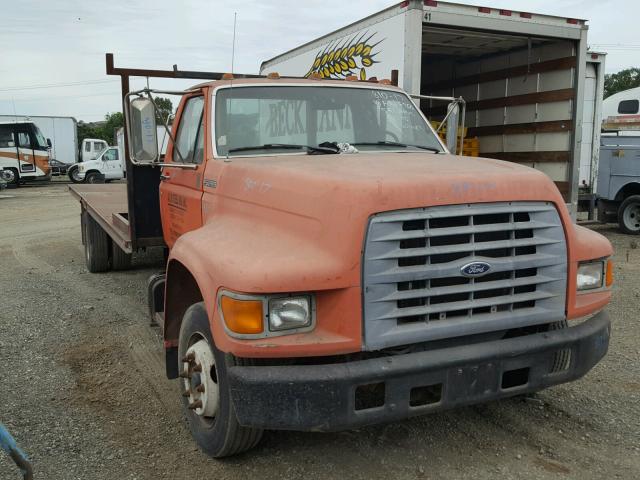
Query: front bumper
column 323, row 397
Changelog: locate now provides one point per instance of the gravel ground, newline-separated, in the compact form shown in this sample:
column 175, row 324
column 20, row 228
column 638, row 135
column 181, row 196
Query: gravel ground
column 84, row 393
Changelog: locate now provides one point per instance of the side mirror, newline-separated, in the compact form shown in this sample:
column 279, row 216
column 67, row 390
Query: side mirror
column 452, row 128
column 143, row 139
column 49, row 143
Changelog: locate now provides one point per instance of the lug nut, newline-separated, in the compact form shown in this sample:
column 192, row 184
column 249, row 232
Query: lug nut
column 196, row 404
column 184, row 375
column 197, row 368
column 200, row 388
column 186, row 393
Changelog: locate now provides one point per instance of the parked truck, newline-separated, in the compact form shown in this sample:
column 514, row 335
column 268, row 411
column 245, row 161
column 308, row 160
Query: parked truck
column 331, row 265
column 522, row 75
column 618, row 187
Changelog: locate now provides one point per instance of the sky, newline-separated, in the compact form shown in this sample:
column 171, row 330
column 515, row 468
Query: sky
column 52, row 60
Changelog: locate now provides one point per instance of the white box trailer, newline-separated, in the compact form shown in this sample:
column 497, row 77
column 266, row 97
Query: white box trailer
column 522, row 74
column 63, row 132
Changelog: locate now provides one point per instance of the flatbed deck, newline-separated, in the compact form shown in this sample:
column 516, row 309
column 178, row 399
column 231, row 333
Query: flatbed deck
column 107, row 204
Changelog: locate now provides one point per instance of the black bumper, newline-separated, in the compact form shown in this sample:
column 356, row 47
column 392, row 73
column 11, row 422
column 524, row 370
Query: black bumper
column 323, row 397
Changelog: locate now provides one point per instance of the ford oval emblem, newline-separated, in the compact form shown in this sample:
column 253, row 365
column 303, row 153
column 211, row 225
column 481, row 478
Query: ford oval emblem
column 475, row 269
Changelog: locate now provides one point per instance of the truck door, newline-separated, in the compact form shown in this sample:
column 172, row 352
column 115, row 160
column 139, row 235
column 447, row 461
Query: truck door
column 181, row 189
column 26, row 156
column 111, row 166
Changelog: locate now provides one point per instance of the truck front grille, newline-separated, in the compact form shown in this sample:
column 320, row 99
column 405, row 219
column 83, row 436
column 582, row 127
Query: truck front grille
column 414, row 288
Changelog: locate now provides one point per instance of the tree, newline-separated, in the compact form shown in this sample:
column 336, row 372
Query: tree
column 623, row 80
column 113, row 121
column 105, row 130
column 165, row 108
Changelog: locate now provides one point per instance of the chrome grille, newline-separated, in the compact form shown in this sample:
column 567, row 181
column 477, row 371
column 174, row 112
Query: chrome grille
column 414, row 289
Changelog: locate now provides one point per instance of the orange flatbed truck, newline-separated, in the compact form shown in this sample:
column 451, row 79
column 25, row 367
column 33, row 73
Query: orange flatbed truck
column 330, row 265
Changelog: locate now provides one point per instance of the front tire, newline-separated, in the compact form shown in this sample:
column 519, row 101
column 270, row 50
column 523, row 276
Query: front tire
column 12, row 176
column 629, row 215
column 206, row 398
column 73, row 174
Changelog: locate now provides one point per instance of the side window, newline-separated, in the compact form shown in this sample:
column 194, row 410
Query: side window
column 24, row 140
column 111, row 154
column 628, row 106
column 189, row 140
column 6, row 137
column 87, row 147
column 98, row 146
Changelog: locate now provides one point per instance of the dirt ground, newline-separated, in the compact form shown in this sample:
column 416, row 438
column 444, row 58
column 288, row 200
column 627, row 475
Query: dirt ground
column 82, row 385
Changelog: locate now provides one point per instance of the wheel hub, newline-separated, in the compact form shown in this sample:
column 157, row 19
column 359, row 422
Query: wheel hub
column 9, row 175
column 631, row 216
column 200, row 379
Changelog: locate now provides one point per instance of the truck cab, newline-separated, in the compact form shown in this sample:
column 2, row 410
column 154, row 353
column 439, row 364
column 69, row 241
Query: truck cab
column 331, row 265
column 106, row 167
column 90, row 148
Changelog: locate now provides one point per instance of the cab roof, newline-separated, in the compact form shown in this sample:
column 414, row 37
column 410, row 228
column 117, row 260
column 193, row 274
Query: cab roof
column 321, row 82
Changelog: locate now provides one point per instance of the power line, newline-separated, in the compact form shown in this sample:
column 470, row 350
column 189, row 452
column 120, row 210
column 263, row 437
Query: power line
column 57, row 85
column 45, row 99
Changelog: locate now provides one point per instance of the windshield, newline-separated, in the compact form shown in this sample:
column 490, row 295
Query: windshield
column 267, row 117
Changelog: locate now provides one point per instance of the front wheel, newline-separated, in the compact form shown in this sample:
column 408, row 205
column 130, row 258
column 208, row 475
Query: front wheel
column 73, row 175
column 12, row 176
column 629, row 215
column 205, row 391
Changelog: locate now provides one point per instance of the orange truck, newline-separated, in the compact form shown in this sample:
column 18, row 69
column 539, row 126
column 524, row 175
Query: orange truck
column 330, row 265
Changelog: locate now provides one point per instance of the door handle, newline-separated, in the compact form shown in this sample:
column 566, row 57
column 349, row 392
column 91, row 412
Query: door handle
column 164, row 178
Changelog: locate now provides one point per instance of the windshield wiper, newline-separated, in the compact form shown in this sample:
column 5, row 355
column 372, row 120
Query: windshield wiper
column 398, row 144
column 287, row 146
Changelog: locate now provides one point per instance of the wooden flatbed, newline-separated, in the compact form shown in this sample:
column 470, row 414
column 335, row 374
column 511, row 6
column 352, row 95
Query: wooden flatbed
column 107, row 204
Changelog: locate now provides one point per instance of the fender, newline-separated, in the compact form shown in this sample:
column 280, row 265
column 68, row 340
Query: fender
column 215, row 256
column 585, row 245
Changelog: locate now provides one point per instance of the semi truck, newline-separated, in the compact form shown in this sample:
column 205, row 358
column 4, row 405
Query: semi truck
column 532, row 92
column 329, row 264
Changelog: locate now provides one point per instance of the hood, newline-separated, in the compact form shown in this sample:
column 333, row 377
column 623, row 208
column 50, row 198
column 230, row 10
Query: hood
column 308, row 185
column 299, row 221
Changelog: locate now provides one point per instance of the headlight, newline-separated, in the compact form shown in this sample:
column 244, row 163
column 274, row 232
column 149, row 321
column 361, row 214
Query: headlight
column 590, row 275
column 289, row 313
column 259, row 316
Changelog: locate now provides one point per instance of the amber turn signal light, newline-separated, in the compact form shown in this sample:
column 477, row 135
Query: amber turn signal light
column 609, row 274
column 242, row 316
